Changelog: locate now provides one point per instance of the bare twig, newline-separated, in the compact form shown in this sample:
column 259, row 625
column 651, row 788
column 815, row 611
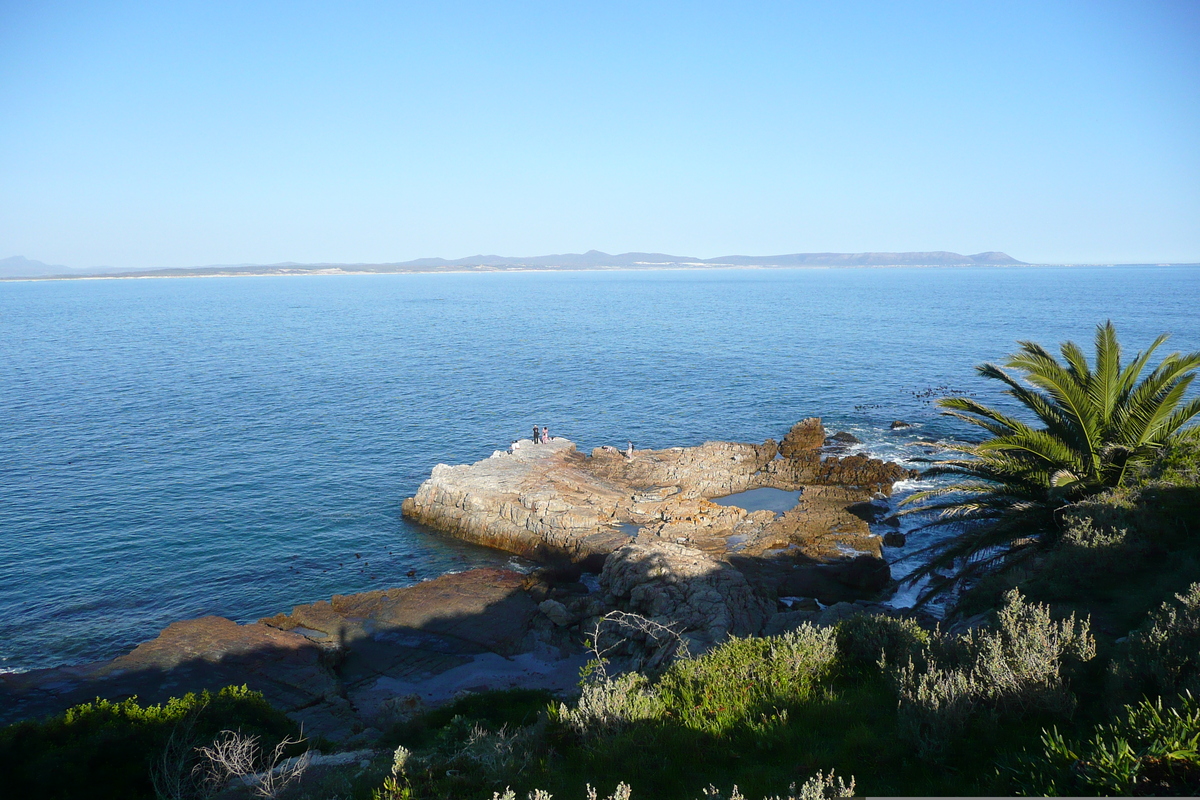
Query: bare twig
column 234, row 755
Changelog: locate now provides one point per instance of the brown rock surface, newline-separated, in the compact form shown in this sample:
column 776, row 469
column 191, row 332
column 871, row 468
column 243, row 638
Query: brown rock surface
column 808, row 468
column 320, row 663
column 482, row 609
column 805, row 435
column 188, row 656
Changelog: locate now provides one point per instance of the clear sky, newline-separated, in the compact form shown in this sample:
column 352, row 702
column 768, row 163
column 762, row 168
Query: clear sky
column 186, row 133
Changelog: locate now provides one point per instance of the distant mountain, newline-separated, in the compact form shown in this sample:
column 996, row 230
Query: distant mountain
column 593, row 259
column 22, row 267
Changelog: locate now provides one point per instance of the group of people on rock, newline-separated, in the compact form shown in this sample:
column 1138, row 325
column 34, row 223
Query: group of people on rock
column 542, row 436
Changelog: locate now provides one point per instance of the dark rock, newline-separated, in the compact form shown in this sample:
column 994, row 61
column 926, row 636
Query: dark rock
column 836, row 613
column 867, row 511
column 864, row 573
column 557, row 613
column 290, row 670
column 487, row 609
column 708, row 600
column 809, row 469
column 842, row 438
column 898, row 424
column 787, row 621
column 844, row 581
column 804, row 604
column 895, row 539
column 893, row 520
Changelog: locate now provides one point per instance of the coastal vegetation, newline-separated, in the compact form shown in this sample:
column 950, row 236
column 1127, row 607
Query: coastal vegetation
column 126, row 750
column 1097, row 427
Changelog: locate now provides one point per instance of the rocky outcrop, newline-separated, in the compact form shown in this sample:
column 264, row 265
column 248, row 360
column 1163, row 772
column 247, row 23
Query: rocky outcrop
column 704, row 599
column 291, row 671
column 332, row 666
column 712, row 469
column 806, row 435
column 539, row 501
column 809, row 468
column 483, row 609
column 841, row 439
column 549, row 502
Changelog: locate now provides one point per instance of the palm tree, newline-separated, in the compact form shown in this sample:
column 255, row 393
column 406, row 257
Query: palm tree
column 1095, row 428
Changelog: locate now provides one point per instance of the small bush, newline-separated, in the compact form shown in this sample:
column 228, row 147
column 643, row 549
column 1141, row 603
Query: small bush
column 1151, row 751
column 610, row 705
column 1100, row 542
column 1021, row 660
column 516, row 708
column 738, row 681
column 1178, row 464
column 818, row 787
column 110, row 750
column 745, row 678
column 622, row 792
column 465, row 755
column 1005, row 672
column 868, row 640
column 1162, row 658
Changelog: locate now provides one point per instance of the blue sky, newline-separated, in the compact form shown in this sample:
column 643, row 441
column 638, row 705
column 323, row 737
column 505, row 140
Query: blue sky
column 178, row 133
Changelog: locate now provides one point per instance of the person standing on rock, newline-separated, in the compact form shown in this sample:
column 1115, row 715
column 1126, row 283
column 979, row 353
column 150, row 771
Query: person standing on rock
column 537, row 437
column 629, row 450
column 545, row 435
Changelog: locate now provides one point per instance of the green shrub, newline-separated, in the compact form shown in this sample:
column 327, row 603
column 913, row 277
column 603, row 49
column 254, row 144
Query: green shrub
column 818, row 787
column 608, row 706
column 515, row 708
column 869, row 640
column 1101, row 539
column 1005, row 672
column 745, row 678
column 1151, row 751
column 740, row 680
column 1162, row 657
column 1178, row 464
column 104, row 749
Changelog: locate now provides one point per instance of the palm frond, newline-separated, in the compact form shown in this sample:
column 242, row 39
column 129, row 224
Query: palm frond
column 1093, row 423
column 1105, row 386
column 1129, row 375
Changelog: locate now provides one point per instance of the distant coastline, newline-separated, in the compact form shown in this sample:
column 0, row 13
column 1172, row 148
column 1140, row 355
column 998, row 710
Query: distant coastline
column 592, row 261
column 19, row 267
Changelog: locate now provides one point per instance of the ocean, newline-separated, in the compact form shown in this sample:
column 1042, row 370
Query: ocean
column 171, row 448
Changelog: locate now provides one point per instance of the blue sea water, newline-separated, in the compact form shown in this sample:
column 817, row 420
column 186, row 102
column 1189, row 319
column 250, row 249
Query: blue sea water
column 235, row 446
